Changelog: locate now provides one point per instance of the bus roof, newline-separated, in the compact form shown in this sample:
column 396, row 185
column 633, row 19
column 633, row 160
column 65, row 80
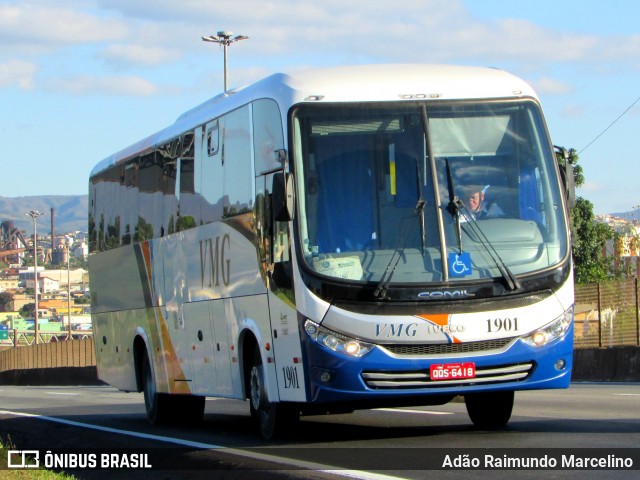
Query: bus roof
column 362, row 83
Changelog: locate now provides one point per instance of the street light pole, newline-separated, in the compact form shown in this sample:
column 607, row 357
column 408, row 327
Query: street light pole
column 224, row 38
column 35, row 214
column 69, row 242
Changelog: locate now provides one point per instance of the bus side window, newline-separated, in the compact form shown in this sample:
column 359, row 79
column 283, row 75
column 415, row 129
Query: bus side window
column 213, row 139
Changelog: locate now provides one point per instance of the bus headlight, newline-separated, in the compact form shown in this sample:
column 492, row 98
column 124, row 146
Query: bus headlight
column 336, row 341
column 551, row 331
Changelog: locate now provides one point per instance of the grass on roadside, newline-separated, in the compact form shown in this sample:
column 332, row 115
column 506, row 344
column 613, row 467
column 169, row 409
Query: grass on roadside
column 24, row 474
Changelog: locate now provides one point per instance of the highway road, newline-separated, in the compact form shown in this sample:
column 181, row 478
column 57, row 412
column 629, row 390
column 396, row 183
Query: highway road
column 596, row 426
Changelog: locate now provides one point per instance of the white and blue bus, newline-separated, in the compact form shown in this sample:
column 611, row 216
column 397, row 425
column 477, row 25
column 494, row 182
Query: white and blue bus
column 307, row 243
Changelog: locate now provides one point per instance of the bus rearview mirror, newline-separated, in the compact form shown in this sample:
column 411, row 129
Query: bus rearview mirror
column 282, row 197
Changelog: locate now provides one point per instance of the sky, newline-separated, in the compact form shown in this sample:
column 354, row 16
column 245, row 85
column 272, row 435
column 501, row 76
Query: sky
column 82, row 79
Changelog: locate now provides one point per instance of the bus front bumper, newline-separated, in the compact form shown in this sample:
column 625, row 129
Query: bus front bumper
column 383, row 377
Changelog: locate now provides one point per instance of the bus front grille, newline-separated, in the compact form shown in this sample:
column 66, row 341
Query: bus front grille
column 420, row 379
column 446, row 348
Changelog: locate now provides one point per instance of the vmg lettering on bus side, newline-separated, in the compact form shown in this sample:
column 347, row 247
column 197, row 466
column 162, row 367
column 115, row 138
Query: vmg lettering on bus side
column 214, row 261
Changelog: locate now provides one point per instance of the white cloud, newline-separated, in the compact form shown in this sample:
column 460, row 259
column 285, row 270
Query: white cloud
column 619, row 48
column 551, row 86
column 287, row 33
column 112, row 85
column 574, row 111
column 17, row 73
column 591, row 187
column 124, row 54
column 28, row 25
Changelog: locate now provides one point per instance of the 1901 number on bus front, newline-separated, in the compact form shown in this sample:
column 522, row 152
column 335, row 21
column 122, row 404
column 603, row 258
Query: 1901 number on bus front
column 502, row 325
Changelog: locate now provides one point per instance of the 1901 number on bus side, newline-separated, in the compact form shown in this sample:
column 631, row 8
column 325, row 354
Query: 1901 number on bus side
column 290, row 376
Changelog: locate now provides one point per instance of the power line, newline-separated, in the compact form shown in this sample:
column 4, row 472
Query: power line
column 611, row 125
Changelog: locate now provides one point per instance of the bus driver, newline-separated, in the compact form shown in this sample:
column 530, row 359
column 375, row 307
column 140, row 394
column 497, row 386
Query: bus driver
column 476, row 205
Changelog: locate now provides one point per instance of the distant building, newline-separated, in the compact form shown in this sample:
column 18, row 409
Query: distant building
column 26, row 276
column 75, row 276
column 20, row 300
column 9, row 284
column 81, row 251
column 625, row 247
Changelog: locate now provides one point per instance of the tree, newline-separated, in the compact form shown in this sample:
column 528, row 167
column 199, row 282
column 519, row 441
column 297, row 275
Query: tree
column 589, row 238
column 28, row 310
column 5, row 299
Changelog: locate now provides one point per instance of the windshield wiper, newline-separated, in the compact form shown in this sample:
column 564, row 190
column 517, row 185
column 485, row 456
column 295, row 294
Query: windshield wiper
column 507, row 274
column 385, row 280
column 457, row 207
column 420, row 209
column 381, row 290
column 455, row 204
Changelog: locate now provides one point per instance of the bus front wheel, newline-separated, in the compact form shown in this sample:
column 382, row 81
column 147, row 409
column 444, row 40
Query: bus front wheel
column 490, row 410
column 274, row 419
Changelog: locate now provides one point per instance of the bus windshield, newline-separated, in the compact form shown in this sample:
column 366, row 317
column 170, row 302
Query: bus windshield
column 421, row 193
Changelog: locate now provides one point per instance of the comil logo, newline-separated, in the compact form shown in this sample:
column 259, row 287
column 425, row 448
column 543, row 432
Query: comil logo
column 23, row 459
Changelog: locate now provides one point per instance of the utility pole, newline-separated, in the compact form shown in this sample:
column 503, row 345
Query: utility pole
column 35, row 214
column 224, row 38
column 68, row 243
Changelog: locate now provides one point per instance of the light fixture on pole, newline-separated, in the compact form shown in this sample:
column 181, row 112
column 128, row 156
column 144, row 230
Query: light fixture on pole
column 224, row 39
column 35, row 214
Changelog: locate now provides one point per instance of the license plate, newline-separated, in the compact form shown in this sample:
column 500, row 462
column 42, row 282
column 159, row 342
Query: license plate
column 452, row 371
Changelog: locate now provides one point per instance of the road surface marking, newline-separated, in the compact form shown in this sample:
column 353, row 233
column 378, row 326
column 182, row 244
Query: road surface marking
column 426, row 412
column 356, row 474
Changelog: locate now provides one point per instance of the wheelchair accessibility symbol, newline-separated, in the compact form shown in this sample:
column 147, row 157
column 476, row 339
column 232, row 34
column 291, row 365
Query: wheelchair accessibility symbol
column 459, row 264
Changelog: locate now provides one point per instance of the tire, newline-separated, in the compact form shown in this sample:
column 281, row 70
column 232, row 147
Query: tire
column 157, row 405
column 273, row 419
column 489, row 411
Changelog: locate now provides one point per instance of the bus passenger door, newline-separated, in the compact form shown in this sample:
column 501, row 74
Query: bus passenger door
column 207, row 348
column 199, row 333
column 277, row 261
column 221, row 347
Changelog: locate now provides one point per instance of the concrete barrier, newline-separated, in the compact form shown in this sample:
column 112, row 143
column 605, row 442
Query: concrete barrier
column 617, row 364
column 56, row 363
column 58, row 376
column 75, row 353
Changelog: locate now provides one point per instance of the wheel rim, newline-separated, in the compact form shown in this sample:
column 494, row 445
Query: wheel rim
column 256, row 384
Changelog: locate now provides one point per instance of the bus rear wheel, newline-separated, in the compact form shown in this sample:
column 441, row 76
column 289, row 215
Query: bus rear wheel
column 490, row 410
column 163, row 408
column 274, row 419
column 156, row 404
